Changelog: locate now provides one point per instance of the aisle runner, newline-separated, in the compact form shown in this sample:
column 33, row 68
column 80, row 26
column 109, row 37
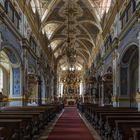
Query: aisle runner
column 70, row 127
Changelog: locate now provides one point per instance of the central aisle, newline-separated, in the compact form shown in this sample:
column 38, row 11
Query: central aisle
column 70, row 127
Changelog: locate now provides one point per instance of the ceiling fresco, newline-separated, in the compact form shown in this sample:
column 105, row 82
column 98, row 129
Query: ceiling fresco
column 73, row 23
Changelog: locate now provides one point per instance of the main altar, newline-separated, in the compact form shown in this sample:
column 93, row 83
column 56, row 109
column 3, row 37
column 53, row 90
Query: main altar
column 71, row 92
column 70, row 99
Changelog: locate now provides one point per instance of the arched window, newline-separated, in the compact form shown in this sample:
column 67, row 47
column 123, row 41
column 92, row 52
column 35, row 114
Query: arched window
column 1, row 80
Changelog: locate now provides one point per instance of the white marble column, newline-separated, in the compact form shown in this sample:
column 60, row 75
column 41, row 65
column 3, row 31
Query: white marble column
column 102, row 94
column 137, row 1
column 84, row 91
column 115, row 76
column 138, row 91
column 25, row 71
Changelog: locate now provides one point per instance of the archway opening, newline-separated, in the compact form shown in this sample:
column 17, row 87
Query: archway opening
column 5, row 70
column 10, row 77
column 129, row 75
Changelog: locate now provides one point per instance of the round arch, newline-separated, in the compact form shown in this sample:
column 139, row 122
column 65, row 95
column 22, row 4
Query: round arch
column 13, row 60
column 129, row 73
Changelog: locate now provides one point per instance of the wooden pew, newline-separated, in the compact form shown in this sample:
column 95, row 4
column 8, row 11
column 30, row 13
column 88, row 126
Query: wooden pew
column 37, row 122
column 104, row 115
column 97, row 112
column 15, row 128
column 123, row 129
column 31, row 116
column 29, row 130
column 48, row 111
column 99, row 115
column 110, row 123
column 44, row 111
column 91, row 110
column 3, row 133
column 54, row 109
column 136, row 133
column 6, row 133
column 37, row 117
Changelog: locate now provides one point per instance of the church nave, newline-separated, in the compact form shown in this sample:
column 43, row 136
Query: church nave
column 69, row 69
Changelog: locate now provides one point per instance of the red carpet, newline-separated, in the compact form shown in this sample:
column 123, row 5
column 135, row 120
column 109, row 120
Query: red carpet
column 70, row 127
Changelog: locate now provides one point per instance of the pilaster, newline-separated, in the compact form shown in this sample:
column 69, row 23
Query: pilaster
column 138, row 92
column 115, row 75
column 139, row 64
column 102, row 94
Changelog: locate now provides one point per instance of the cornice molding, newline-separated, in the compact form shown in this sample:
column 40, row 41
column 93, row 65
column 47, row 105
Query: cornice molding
column 111, row 18
column 5, row 19
column 127, row 26
column 25, row 44
column 35, row 28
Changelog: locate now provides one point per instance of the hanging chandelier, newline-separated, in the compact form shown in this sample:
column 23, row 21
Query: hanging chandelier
column 70, row 51
column 71, row 56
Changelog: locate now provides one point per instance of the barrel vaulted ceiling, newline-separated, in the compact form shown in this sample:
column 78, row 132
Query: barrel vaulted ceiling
column 83, row 17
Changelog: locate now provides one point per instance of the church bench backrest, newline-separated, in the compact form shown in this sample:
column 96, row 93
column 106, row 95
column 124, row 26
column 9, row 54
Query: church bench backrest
column 123, row 127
